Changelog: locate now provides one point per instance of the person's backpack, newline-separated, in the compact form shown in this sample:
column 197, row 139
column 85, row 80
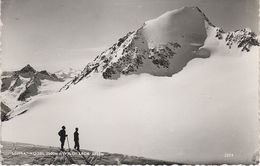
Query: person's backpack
column 59, row 133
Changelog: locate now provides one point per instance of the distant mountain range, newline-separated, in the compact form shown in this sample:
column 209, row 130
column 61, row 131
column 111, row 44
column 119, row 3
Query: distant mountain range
column 68, row 73
column 18, row 87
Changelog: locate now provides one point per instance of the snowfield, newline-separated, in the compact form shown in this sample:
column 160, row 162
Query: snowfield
column 144, row 102
column 201, row 111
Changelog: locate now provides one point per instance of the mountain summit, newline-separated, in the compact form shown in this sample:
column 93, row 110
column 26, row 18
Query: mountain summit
column 27, row 68
column 164, row 45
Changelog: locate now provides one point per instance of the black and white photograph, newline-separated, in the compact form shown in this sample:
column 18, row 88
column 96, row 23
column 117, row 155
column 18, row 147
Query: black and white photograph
column 134, row 82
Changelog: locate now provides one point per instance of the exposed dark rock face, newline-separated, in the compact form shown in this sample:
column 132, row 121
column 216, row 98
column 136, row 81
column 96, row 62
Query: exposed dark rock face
column 17, row 83
column 244, row 39
column 4, row 111
column 27, row 72
column 31, row 89
column 6, row 82
column 44, row 75
column 27, row 69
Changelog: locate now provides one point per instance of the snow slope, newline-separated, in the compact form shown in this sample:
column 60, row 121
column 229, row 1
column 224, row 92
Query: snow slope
column 195, row 116
column 160, row 117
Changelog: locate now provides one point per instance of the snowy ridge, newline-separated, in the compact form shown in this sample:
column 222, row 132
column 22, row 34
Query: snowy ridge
column 163, row 46
column 19, row 87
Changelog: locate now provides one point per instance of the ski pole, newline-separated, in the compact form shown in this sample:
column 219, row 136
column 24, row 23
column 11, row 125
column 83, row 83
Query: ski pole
column 68, row 142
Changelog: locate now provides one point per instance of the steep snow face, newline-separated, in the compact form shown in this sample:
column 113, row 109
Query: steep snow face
column 175, row 26
column 163, row 46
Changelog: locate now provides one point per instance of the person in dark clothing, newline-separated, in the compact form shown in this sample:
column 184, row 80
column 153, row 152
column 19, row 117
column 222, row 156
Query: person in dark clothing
column 76, row 139
column 63, row 135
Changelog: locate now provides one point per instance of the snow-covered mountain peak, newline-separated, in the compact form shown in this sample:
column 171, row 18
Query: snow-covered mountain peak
column 28, row 68
column 185, row 25
column 182, row 12
column 163, row 46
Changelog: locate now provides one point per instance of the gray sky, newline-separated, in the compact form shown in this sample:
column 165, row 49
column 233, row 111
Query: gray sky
column 54, row 34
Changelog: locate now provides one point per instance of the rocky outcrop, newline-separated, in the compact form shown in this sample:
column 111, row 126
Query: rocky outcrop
column 44, row 75
column 4, row 111
column 27, row 72
column 31, row 88
column 243, row 39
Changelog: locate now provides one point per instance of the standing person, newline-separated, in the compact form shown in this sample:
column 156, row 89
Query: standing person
column 63, row 135
column 76, row 139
